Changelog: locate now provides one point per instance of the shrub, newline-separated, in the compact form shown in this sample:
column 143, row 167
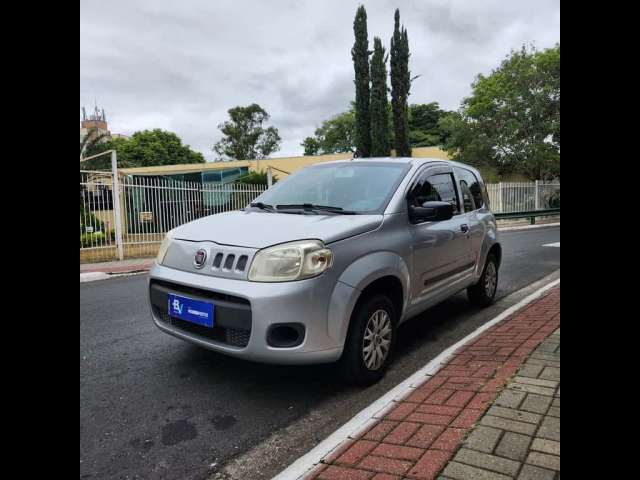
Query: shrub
column 554, row 200
column 88, row 219
column 257, row 178
column 96, row 239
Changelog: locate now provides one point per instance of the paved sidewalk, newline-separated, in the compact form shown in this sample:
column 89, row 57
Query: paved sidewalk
column 519, row 436
column 420, row 436
column 124, row 266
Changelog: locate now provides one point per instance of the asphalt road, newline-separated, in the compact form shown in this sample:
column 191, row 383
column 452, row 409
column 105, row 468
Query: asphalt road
column 152, row 406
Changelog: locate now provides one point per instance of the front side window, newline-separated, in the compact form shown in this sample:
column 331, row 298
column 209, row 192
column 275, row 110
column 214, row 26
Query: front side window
column 471, row 181
column 438, row 187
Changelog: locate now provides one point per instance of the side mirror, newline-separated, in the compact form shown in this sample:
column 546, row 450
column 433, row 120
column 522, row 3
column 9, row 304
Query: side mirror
column 431, row 212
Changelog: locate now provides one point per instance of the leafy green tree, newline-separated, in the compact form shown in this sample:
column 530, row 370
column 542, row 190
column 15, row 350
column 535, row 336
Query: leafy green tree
column 91, row 142
column 512, row 119
column 336, row 135
column 245, row 138
column 360, row 55
column 400, row 86
column 380, row 144
column 144, row 149
column 424, row 128
column 103, row 162
column 311, row 146
column 464, row 141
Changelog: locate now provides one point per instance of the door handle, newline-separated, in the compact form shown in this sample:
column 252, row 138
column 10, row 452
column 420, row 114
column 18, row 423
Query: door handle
column 464, row 227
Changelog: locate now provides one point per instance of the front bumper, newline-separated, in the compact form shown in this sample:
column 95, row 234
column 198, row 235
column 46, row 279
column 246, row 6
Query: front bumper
column 245, row 311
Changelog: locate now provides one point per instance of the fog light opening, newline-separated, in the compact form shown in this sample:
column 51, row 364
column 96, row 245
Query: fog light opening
column 285, row 335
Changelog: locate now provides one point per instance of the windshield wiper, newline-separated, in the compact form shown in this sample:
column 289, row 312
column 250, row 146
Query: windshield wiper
column 313, row 206
column 262, row 206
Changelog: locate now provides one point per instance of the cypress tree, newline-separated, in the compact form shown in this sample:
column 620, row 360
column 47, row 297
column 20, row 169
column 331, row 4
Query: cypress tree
column 380, row 146
column 400, row 84
column 360, row 54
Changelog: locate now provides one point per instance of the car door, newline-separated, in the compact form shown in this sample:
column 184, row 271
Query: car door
column 440, row 249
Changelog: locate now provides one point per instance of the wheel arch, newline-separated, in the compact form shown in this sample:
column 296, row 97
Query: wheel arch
column 496, row 249
column 376, row 272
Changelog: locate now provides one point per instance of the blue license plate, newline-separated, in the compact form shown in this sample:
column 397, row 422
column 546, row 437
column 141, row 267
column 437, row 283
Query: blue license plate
column 190, row 310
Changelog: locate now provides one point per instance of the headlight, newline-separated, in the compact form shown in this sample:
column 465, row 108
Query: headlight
column 164, row 246
column 290, row 261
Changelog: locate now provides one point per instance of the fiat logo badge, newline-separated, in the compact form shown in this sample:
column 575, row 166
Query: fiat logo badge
column 200, row 258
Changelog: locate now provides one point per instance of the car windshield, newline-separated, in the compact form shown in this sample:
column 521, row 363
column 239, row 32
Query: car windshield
column 356, row 187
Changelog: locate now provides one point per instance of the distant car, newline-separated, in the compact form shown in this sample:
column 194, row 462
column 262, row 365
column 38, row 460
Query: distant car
column 325, row 265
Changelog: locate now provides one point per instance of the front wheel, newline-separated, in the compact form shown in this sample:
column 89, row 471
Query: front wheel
column 484, row 292
column 369, row 345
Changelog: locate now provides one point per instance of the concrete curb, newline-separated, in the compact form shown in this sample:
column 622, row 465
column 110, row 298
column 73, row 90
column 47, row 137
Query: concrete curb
column 93, row 276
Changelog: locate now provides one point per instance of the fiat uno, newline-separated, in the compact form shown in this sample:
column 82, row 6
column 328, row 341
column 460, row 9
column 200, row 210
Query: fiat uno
column 326, row 264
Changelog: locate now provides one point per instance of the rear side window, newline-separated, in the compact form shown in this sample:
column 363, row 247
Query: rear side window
column 439, row 187
column 467, row 197
column 473, row 185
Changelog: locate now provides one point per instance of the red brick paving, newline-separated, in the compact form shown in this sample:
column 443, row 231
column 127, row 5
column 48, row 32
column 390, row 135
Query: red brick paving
column 386, row 476
column 425, row 436
column 416, row 439
column 402, row 432
column 356, row 452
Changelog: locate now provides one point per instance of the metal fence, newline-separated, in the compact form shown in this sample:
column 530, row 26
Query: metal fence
column 97, row 219
column 506, row 197
column 150, row 207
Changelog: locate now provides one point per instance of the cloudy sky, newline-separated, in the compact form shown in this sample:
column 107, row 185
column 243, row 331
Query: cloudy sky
column 180, row 65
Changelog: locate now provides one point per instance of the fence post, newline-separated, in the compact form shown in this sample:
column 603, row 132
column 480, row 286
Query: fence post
column 116, row 204
column 500, row 196
column 537, row 196
column 269, row 177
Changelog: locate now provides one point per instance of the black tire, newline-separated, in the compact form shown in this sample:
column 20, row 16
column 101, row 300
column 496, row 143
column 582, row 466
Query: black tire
column 482, row 294
column 352, row 366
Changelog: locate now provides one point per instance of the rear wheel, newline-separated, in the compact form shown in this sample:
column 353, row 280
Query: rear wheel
column 369, row 345
column 483, row 293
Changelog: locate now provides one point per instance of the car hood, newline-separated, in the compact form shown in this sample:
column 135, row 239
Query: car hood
column 257, row 229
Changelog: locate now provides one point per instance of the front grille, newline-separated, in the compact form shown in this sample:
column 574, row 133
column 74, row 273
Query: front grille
column 226, row 261
column 232, row 324
column 242, row 263
column 237, row 337
column 231, row 336
column 179, row 288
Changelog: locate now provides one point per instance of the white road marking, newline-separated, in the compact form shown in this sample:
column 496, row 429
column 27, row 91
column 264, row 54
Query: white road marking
column 300, row 467
column 556, row 244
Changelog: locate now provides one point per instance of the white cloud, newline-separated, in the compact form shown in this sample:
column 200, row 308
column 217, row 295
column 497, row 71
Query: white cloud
column 181, row 65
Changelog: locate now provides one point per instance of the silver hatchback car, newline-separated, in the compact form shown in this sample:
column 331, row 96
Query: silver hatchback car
column 325, row 265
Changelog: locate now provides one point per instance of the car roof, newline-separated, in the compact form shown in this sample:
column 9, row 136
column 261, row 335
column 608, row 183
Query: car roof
column 407, row 160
